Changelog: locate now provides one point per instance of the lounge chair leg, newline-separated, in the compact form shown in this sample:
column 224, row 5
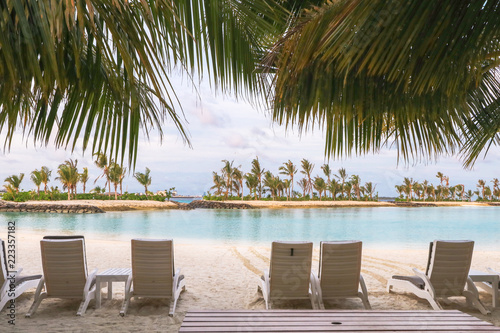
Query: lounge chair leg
column 35, row 304
column 472, row 299
column 172, row 307
column 83, row 306
column 313, row 301
column 124, row 309
column 389, row 286
column 435, row 305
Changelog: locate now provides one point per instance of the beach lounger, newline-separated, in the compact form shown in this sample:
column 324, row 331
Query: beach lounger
column 289, row 275
column 64, row 272
column 153, row 273
column 339, row 274
column 11, row 286
column 446, row 275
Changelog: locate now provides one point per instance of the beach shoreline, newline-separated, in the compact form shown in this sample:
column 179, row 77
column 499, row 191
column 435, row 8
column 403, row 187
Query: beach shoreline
column 218, row 276
column 133, row 205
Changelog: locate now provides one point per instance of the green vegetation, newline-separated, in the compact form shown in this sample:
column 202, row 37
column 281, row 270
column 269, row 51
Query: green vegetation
column 69, row 177
column 425, row 191
column 259, row 181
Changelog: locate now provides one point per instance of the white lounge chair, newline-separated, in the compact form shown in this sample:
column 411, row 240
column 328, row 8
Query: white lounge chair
column 339, row 274
column 64, row 272
column 289, row 275
column 21, row 283
column 446, row 275
column 153, row 273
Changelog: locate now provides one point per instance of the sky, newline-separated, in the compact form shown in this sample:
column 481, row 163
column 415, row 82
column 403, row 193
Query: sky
column 223, row 128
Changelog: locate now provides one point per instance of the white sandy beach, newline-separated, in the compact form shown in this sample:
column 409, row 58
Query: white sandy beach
column 217, row 277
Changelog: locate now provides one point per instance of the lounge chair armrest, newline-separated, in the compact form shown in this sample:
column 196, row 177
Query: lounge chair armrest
column 315, row 286
column 427, row 283
column 362, row 284
column 471, row 287
column 492, row 271
column 176, row 279
column 88, row 284
column 128, row 286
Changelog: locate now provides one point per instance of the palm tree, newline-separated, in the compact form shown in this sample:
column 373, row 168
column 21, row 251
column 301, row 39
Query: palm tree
column 319, row 185
column 370, row 189
column 342, row 176
column 14, row 183
column 469, row 194
column 102, row 163
column 356, row 183
column 144, row 179
column 252, row 182
column 307, row 168
column 219, row 183
column 272, row 182
column 488, row 193
column 400, row 189
column 303, row 184
column 348, row 190
column 84, row 178
column 441, row 177
column 257, row 171
column 227, row 173
column 238, row 179
column 402, row 64
column 288, row 169
column 36, row 178
column 115, row 176
column 333, row 186
column 408, row 182
column 68, row 175
column 45, row 173
column 75, row 176
column 481, row 183
column 328, row 173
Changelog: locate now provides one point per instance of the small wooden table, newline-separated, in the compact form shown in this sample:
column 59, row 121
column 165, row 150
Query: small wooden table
column 480, row 279
column 333, row 321
column 109, row 276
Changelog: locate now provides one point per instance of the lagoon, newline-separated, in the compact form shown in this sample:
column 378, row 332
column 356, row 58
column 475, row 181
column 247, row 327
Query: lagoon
column 377, row 227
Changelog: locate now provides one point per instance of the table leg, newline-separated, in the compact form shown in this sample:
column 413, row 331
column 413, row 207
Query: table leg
column 495, row 290
column 110, row 290
column 98, row 294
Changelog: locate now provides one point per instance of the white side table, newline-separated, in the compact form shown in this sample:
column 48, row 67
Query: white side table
column 109, row 276
column 480, row 278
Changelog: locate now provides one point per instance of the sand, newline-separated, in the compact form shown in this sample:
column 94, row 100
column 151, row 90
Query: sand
column 218, row 276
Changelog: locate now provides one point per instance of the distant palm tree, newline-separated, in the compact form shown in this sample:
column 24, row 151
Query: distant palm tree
column 303, row 184
column 272, row 182
column 488, row 193
column 307, row 168
column 328, row 173
column 288, row 169
column 84, row 178
column 408, row 182
column 400, row 189
column 98, row 190
column 219, row 183
column 348, row 190
column 258, row 172
column 36, row 178
column 14, row 183
column 319, row 185
column 342, row 176
column 238, row 178
column 68, row 175
column 252, row 182
column 469, row 194
column 370, row 189
column 227, row 173
column 115, row 176
column 102, row 163
column 45, row 173
column 356, row 183
column 481, row 183
column 441, row 177
column 144, row 179
column 333, row 186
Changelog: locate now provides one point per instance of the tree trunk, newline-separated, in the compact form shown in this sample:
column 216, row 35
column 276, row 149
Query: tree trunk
column 116, row 191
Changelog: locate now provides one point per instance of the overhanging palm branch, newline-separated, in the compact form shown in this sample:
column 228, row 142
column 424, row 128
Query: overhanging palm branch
column 370, row 73
column 100, row 69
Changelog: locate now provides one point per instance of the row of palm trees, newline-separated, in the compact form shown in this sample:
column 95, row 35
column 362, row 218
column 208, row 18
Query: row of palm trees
column 414, row 190
column 259, row 181
column 68, row 174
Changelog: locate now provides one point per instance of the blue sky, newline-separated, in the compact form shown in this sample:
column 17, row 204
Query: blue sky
column 225, row 128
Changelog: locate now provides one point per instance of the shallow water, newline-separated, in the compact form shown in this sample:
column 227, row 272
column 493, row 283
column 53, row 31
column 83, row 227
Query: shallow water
column 380, row 227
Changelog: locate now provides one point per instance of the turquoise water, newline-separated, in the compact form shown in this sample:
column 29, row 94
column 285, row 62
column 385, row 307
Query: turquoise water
column 386, row 227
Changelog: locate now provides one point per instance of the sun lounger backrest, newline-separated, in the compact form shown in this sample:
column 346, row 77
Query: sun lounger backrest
column 152, row 267
column 290, row 269
column 64, row 266
column 449, row 266
column 339, row 268
column 3, row 263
